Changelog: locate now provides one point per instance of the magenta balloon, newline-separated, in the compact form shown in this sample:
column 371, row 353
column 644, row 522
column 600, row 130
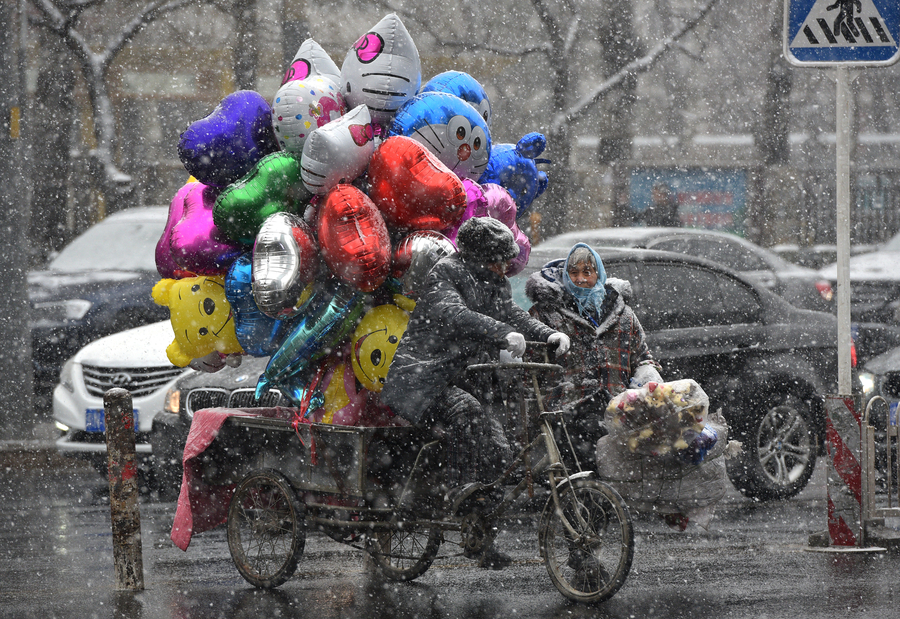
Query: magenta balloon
column 165, row 263
column 518, row 263
column 197, row 245
column 490, row 200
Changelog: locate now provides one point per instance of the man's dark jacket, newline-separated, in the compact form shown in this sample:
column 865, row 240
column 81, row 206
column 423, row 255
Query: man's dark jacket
column 463, row 311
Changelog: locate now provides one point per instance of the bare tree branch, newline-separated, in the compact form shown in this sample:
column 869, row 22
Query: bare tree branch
column 94, row 68
column 150, row 13
column 635, row 67
column 467, row 45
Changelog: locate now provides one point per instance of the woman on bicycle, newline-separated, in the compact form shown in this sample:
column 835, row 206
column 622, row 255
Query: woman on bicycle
column 609, row 352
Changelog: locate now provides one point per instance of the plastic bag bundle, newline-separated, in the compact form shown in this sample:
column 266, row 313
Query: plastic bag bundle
column 659, row 418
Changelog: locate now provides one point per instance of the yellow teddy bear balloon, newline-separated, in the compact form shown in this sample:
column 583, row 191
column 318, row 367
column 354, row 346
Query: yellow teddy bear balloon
column 375, row 342
column 201, row 317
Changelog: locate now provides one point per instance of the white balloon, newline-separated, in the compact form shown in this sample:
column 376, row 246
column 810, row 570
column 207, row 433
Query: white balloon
column 311, row 61
column 382, row 69
column 302, row 106
column 339, row 152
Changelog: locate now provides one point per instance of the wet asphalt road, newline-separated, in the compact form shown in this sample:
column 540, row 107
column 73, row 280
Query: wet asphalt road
column 56, row 561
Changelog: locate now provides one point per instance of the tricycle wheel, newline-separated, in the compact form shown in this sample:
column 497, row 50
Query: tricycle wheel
column 590, row 565
column 406, row 552
column 266, row 529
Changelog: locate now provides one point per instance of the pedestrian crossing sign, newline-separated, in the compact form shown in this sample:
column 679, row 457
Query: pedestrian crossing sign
column 842, row 32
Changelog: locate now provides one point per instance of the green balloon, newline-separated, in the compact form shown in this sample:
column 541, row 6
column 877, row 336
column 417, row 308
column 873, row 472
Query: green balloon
column 272, row 186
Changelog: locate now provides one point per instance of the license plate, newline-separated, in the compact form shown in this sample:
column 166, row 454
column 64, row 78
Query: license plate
column 94, row 420
column 893, row 408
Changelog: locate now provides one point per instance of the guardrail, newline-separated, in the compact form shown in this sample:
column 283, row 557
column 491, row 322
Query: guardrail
column 880, row 509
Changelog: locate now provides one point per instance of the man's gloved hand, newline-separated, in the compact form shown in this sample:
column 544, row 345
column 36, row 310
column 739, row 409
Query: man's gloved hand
column 515, row 344
column 561, row 341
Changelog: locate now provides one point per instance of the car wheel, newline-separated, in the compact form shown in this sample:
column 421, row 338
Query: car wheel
column 779, row 450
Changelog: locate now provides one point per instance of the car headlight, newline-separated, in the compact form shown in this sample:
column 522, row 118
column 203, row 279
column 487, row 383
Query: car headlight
column 867, row 380
column 173, row 401
column 60, row 311
column 65, row 375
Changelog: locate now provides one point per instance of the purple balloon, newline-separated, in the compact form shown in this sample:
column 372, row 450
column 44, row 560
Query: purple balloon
column 195, row 244
column 224, row 146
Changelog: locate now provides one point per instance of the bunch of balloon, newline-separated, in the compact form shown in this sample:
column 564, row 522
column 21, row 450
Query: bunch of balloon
column 309, row 223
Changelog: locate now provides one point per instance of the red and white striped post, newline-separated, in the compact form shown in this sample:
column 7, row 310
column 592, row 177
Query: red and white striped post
column 123, row 490
column 843, row 440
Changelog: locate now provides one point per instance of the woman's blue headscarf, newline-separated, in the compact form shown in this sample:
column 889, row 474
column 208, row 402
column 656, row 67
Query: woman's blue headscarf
column 589, row 299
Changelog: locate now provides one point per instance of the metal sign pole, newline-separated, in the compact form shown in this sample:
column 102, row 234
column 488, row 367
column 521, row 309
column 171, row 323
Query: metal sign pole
column 823, row 33
column 842, row 137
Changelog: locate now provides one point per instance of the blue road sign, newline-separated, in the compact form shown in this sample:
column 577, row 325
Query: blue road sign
column 842, row 32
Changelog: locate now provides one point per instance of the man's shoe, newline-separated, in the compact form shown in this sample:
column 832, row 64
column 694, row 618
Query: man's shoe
column 493, row 559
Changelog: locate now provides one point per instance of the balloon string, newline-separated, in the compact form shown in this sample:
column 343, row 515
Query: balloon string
column 301, row 414
column 307, row 397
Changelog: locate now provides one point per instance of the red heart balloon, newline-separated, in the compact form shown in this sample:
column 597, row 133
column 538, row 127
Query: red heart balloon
column 412, row 188
column 354, row 239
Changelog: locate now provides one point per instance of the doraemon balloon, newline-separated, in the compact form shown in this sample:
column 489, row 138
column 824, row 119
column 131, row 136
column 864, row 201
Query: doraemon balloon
column 448, row 127
column 514, row 167
column 302, row 106
column 463, row 86
column 311, row 61
column 382, row 70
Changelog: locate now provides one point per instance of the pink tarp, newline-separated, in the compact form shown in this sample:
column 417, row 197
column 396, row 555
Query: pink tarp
column 201, row 506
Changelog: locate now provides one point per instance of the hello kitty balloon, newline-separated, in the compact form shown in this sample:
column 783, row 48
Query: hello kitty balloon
column 337, row 152
column 311, row 61
column 382, row 70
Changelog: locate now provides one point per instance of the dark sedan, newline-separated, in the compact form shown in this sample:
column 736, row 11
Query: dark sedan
column 766, row 363
column 97, row 285
column 799, row 285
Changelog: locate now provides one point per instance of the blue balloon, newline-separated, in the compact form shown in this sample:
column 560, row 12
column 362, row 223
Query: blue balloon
column 448, row 127
column 333, row 312
column 463, row 86
column 514, row 167
column 258, row 334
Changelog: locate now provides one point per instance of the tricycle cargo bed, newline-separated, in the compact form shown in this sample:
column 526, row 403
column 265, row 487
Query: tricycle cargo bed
column 315, row 457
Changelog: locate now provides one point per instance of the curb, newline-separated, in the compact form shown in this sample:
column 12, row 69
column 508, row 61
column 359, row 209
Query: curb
column 27, row 445
column 29, row 454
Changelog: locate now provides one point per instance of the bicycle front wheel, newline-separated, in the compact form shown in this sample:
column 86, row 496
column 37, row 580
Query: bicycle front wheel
column 588, row 560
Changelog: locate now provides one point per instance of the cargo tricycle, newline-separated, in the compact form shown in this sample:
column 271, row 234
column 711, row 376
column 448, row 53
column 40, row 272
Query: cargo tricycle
column 381, row 490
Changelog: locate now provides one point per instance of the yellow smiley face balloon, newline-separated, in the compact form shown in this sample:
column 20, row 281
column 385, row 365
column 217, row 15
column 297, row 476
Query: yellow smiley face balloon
column 375, row 342
column 201, row 317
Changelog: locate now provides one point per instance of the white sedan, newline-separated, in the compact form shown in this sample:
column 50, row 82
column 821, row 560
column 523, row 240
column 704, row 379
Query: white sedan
column 134, row 360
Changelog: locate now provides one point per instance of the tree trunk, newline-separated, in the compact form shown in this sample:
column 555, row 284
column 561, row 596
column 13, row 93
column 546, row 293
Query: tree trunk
column 52, row 118
column 246, row 53
column 16, row 412
column 772, row 126
column 554, row 210
column 620, row 46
